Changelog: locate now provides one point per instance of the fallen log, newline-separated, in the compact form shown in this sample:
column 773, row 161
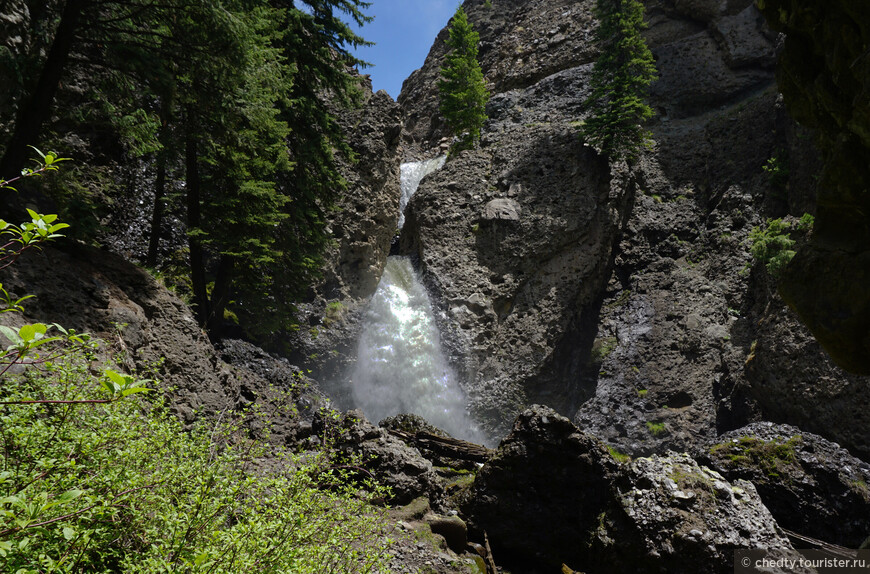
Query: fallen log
column 445, row 446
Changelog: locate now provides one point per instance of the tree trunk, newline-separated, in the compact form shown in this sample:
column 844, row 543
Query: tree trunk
column 157, row 213
column 197, row 259
column 35, row 110
column 220, row 296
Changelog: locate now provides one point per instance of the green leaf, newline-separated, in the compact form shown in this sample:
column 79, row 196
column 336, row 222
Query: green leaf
column 70, row 495
column 201, row 558
column 118, row 379
column 10, row 334
column 34, row 148
column 30, row 332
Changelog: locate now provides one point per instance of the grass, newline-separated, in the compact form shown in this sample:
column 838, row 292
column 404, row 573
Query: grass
column 656, row 429
column 619, row 457
column 774, row 458
column 601, row 348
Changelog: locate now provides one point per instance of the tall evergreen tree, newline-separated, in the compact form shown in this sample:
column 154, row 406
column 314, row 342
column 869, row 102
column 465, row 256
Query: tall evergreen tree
column 462, row 91
column 620, row 81
column 317, row 43
column 239, row 97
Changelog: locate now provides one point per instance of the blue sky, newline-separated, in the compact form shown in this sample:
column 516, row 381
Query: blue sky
column 403, row 31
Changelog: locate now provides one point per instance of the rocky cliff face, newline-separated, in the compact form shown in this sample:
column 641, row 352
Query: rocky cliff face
column 629, row 302
column 362, row 226
column 824, row 75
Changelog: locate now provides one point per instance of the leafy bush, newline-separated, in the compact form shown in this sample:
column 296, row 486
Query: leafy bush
column 774, row 245
column 120, row 486
column 93, row 478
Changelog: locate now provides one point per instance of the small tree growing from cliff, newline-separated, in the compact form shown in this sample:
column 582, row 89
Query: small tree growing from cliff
column 462, row 90
column 620, row 81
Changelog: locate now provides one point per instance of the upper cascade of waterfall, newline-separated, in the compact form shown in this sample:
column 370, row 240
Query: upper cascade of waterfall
column 412, row 173
column 400, row 366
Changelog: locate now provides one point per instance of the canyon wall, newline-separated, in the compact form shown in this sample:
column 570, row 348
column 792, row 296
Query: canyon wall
column 624, row 298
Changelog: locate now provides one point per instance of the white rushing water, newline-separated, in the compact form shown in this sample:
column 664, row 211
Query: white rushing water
column 412, row 173
column 401, row 367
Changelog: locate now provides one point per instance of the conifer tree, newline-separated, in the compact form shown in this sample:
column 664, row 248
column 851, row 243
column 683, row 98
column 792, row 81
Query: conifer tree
column 620, row 81
column 239, row 98
column 462, row 91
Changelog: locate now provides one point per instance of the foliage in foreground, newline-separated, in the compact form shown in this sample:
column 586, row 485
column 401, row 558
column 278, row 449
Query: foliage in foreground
column 93, row 480
column 121, row 486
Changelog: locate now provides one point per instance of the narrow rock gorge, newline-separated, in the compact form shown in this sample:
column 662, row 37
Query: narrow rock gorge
column 652, row 402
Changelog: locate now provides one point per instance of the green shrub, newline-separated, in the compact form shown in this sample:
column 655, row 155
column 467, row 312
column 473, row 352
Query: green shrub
column 95, row 479
column 120, row 486
column 777, row 171
column 774, row 245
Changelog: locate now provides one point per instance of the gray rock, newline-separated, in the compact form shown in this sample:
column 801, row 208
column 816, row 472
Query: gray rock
column 668, row 243
column 811, row 485
column 542, row 492
column 502, row 209
column 525, row 282
column 692, row 529
column 452, row 528
column 552, row 494
column 394, row 464
column 745, row 39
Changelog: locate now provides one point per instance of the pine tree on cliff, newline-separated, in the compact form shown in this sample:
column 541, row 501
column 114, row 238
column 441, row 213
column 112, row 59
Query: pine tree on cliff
column 620, row 81
column 462, row 90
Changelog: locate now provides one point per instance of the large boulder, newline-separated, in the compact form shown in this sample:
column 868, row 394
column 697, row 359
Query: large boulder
column 811, row 485
column 380, row 455
column 554, row 495
column 682, row 517
column 543, row 492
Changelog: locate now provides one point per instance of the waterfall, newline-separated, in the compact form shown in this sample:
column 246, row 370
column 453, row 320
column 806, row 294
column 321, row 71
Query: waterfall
column 400, row 366
column 412, row 174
